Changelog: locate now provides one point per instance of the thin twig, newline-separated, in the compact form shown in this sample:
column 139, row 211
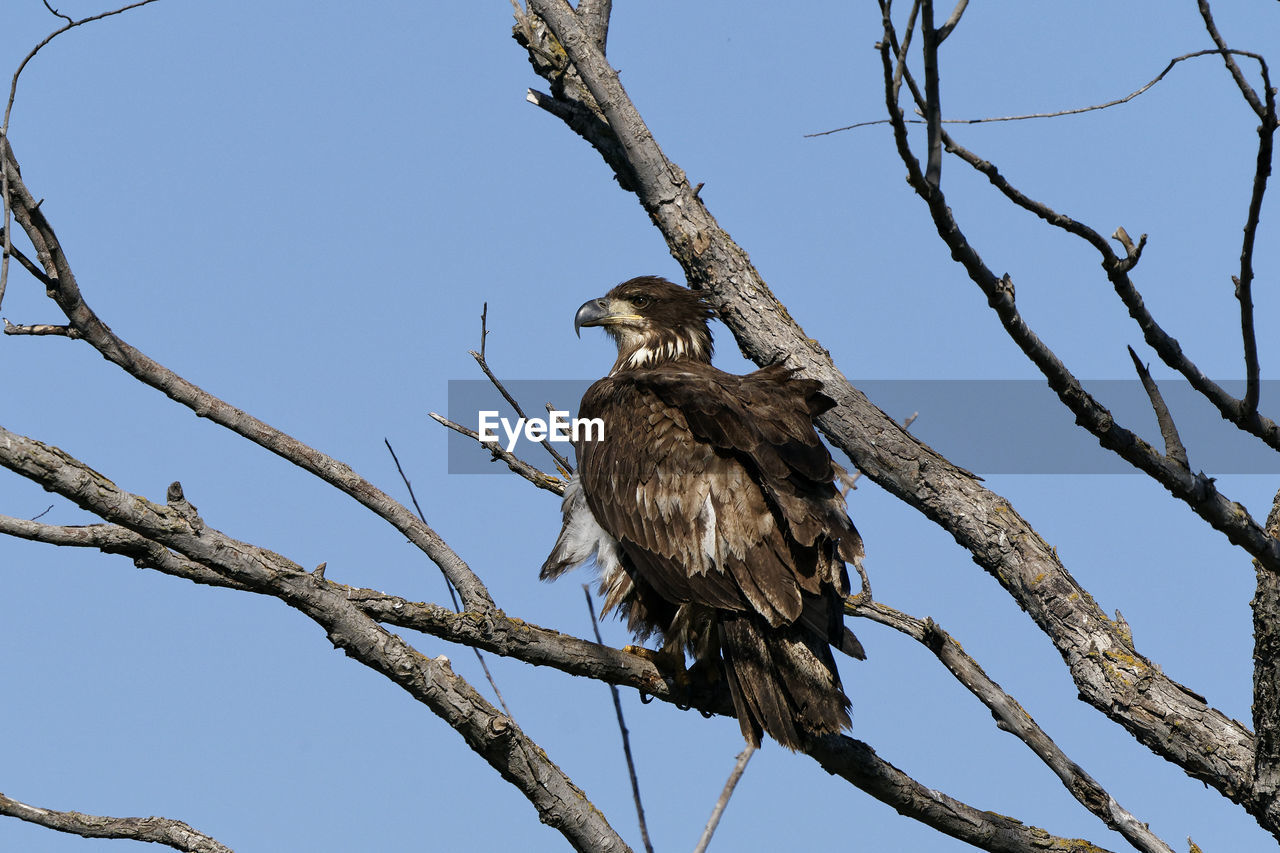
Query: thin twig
column 563, row 463
column 901, row 60
column 56, row 13
column 732, row 782
column 1244, row 281
column 1173, row 447
column 4, row 127
column 27, row 264
column 622, row 727
column 1028, row 116
column 452, row 594
column 515, row 463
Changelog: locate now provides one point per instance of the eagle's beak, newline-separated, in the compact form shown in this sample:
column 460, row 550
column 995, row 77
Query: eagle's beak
column 593, row 313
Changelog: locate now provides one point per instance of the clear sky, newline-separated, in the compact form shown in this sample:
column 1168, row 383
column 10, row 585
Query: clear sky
column 302, row 206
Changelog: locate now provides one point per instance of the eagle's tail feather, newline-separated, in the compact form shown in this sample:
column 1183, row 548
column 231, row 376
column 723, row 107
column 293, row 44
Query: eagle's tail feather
column 786, row 685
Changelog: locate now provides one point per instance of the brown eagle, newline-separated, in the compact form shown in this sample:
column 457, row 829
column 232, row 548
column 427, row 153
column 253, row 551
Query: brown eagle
column 710, row 509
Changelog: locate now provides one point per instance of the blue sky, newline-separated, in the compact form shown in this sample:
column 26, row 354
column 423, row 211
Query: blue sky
column 302, row 206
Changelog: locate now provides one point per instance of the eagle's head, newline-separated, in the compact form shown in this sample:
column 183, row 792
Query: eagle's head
column 652, row 321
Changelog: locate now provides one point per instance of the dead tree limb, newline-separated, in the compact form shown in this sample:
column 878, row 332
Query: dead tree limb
column 65, row 292
column 1011, row 717
column 157, row 830
column 487, row 731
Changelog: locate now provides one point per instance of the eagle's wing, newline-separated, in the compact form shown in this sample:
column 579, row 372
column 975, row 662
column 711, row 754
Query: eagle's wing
column 719, row 491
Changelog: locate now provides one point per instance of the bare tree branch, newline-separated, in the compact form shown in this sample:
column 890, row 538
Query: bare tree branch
column 900, row 65
column 5, row 152
column 1198, row 490
column 158, row 830
column 1236, row 74
column 66, row 294
column 491, row 734
column 622, row 728
column 730, row 784
column 956, row 13
column 1266, row 679
column 1244, row 281
column 1115, row 102
column 857, row 762
column 1266, row 133
column 453, row 596
column 493, row 631
column 515, row 463
column 41, row 329
column 1011, row 717
column 563, row 463
column 1239, row 412
column 1173, row 447
column 595, row 17
column 26, row 262
column 933, row 107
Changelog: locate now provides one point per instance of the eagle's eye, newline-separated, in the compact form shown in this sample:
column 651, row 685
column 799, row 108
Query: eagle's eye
column 640, row 301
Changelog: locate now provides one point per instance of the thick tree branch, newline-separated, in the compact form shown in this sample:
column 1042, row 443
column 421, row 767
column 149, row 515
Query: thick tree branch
column 158, row 830
column 493, row 735
column 1266, row 680
column 1010, row 716
column 66, row 293
column 1168, row 718
column 857, row 762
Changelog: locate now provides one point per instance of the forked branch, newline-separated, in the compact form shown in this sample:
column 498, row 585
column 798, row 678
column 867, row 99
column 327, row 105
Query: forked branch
column 490, row 733
column 65, row 292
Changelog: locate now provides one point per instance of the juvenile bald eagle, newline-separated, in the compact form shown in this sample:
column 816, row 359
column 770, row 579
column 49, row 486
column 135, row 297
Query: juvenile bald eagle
column 710, row 510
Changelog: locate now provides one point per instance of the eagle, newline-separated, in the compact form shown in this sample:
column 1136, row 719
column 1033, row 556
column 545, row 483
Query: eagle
column 710, row 509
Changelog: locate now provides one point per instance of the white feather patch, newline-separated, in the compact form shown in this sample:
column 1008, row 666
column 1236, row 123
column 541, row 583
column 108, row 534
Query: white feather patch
column 582, row 538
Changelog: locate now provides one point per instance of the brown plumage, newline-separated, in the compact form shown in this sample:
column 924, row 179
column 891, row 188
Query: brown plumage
column 710, row 509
